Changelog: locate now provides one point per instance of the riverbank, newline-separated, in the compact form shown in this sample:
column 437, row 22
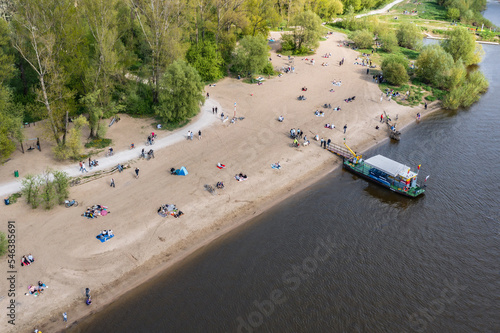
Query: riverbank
column 69, row 258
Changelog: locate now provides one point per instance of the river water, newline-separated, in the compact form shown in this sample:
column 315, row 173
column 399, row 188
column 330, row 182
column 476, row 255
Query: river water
column 349, row 256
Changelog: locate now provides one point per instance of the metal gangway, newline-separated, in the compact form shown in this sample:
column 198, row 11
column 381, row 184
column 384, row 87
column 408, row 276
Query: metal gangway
column 339, row 150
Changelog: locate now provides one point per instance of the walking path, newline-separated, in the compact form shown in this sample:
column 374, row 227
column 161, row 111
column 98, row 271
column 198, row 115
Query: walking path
column 381, row 10
column 205, row 119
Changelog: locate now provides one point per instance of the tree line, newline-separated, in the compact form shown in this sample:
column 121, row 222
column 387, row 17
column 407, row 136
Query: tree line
column 60, row 59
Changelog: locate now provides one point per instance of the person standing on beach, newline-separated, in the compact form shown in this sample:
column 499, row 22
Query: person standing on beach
column 381, row 116
column 213, row 110
column 321, row 143
column 425, row 106
column 199, row 135
column 345, row 128
column 328, row 142
column 112, row 184
column 136, row 172
column 216, row 109
column 65, row 316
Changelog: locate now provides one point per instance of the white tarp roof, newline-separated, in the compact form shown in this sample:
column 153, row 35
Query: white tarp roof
column 389, row 166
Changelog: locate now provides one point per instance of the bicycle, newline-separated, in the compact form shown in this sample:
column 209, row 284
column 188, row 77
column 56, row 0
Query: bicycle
column 109, row 153
column 74, row 182
column 150, row 143
column 70, row 203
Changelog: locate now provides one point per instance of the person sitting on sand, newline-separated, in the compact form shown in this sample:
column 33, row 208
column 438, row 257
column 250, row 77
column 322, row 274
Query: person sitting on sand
column 25, row 261
column 280, row 119
column 30, row 258
column 110, row 232
column 220, row 185
column 304, row 89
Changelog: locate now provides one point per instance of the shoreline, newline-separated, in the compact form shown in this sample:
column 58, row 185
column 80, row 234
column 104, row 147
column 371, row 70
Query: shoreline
column 146, row 259
column 238, row 221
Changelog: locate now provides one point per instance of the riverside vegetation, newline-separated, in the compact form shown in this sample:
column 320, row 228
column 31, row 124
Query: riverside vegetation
column 445, row 71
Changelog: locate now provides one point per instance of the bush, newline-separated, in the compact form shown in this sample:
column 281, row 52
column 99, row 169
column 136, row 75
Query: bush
column 362, row 38
column 430, row 98
column 3, row 244
column 409, row 36
column 98, row 143
column 388, row 41
column 31, row 186
column 395, row 73
column 61, row 185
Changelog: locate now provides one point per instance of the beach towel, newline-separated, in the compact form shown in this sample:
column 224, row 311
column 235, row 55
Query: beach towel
column 221, row 166
column 104, row 238
column 104, row 212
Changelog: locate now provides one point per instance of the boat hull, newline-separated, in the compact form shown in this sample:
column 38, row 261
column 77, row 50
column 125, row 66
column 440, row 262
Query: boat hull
column 411, row 193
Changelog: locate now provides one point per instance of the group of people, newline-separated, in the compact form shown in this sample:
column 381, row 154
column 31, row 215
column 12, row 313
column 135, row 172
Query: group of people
column 296, row 133
column 319, row 113
column 36, row 290
column 220, row 185
column 171, row 210
column 240, row 177
column 27, row 260
column 93, row 163
column 95, row 211
column 337, row 83
column 151, row 138
column 301, row 98
column 330, row 126
column 107, row 233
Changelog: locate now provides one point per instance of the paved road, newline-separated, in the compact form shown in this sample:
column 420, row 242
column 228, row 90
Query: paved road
column 205, row 120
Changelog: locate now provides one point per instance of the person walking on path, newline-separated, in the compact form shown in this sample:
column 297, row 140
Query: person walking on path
column 65, row 316
column 328, row 142
column 321, row 143
column 199, row 135
column 425, row 105
column 345, row 128
column 381, row 118
column 367, row 71
column 191, row 137
column 83, row 167
column 216, row 109
column 136, row 172
column 112, row 184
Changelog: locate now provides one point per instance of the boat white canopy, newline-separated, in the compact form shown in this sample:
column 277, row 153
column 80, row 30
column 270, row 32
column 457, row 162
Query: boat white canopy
column 390, row 167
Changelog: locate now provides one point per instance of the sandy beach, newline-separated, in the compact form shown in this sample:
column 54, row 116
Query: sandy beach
column 69, row 258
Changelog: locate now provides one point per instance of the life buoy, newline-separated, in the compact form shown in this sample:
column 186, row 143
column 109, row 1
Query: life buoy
column 405, row 188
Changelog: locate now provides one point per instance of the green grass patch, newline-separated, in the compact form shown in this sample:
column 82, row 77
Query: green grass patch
column 430, row 98
column 426, row 9
column 98, row 143
column 13, row 198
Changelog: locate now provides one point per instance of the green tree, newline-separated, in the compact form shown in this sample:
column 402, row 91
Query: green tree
column 362, row 38
column 462, row 45
column 409, row 35
column 207, row 61
column 453, row 13
column 251, row 56
column 458, row 74
column 396, row 74
column 261, row 14
column 181, row 93
column 326, row 9
column 10, row 124
column 307, row 30
column 395, row 67
column 30, row 188
column 159, row 22
column 433, row 65
column 105, row 64
column 40, row 33
column 61, row 185
column 388, row 40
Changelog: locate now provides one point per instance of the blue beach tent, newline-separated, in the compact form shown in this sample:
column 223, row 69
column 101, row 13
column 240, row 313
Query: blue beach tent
column 181, row 172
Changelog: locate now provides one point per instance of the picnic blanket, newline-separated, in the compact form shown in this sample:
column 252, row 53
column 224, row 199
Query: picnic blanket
column 104, row 238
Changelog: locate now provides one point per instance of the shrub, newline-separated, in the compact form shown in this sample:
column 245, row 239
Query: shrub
column 409, row 36
column 31, row 186
column 3, row 244
column 61, row 185
column 362, row 38
column 396, row 74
